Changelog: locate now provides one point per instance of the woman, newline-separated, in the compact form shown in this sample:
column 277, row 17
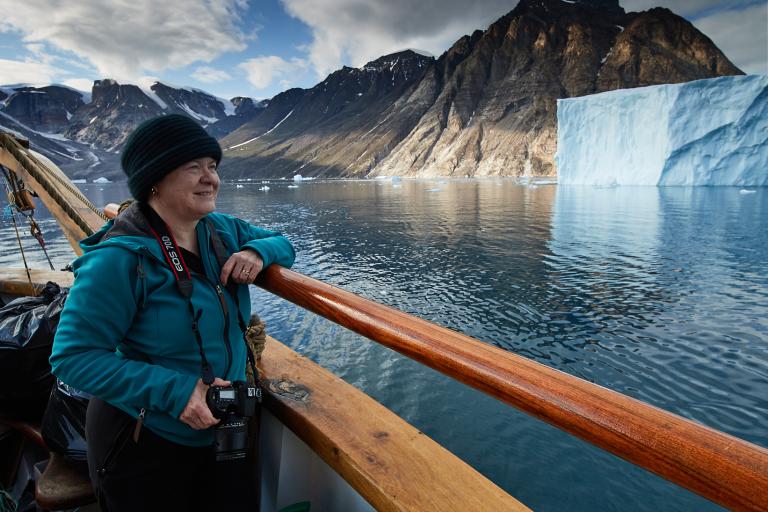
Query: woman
column 151, row 322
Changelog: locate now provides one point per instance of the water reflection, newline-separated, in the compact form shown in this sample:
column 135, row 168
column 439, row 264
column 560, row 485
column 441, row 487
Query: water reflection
column 658, row 293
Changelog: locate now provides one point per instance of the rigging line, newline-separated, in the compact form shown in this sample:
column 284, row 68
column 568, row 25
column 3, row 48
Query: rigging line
column 35, row 231
column 10, row 183
column 21, row 248
column 34, row 227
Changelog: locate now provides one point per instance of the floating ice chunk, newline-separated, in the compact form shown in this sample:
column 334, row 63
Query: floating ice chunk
column 264, row 188
column 745, row 191
column 293, row 186
column 102, row 180
column 238, row 186
column 79, row 180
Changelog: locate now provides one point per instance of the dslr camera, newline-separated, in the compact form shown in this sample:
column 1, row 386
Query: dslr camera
column 233, row 405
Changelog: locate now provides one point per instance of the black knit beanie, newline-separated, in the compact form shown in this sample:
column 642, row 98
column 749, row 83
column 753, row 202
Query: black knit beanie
column 159, row 146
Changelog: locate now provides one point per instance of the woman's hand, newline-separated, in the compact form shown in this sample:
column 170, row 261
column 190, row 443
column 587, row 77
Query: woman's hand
column 242, row 267
column 197, row 414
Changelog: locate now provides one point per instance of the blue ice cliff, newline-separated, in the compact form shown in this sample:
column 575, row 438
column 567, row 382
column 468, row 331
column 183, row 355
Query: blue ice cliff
column 706, row 132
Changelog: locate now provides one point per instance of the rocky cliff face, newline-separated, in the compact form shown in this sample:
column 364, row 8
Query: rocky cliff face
column 116, row 109
column 657, row 46
column 487, row 106
column 45, row 109
column 356, row 114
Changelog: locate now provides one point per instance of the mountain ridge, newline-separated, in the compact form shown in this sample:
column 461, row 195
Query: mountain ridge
column 485, row 107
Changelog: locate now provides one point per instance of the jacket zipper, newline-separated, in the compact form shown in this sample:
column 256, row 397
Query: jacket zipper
column 115, row 448
column 224, row 308
column 139, row 423
column 225, row 311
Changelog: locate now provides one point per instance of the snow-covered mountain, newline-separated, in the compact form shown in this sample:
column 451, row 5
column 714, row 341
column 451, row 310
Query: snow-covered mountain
column 83, row 133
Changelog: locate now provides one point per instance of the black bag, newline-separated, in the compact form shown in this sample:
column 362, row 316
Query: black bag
column 63, row 426
column 27, row 326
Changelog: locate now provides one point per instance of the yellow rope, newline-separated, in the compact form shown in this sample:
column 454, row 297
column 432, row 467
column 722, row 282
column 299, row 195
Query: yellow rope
column 256, row 337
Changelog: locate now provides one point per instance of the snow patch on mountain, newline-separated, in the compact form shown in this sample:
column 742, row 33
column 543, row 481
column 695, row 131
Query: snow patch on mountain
column 196, row 115
column 229, row 107
column 147, row 90
column 263, row 134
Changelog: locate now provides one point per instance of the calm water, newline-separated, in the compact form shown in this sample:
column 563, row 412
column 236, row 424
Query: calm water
column 661, row 294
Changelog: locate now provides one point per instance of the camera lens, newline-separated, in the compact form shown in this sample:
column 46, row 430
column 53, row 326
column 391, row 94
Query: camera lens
column 231, row 441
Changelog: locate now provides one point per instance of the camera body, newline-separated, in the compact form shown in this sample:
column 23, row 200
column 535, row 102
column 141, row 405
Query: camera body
column 233, row 405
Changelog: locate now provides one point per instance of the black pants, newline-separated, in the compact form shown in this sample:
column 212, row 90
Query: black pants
column 157, row 474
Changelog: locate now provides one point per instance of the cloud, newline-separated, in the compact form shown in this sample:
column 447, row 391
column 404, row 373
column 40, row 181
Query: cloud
column 741, row 35
column 123, row 39
column 81, row 84
column 358, row 31
column 262, row 71
column 210, row 75
column 33, row 73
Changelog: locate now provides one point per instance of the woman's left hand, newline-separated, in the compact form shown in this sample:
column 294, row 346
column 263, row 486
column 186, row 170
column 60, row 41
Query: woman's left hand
column 242, row 267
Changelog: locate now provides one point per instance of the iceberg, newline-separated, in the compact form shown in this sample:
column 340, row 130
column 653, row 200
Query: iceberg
column 102, row 180
column 706, row 132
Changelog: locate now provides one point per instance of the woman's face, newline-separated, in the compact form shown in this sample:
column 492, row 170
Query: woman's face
column 190, row 190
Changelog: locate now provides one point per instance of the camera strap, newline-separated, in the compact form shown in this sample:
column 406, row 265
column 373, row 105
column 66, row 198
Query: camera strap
column 175, row 260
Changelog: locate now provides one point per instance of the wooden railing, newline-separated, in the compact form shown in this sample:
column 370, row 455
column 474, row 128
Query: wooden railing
column 720, row 467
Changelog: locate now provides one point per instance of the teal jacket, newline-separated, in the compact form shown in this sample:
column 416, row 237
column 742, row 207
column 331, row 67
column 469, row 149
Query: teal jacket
column 125, row 334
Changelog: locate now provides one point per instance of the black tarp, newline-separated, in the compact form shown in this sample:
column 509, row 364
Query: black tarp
column 27, row 326
column 63, row 426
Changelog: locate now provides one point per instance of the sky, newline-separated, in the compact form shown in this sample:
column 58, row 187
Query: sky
column 259, row 48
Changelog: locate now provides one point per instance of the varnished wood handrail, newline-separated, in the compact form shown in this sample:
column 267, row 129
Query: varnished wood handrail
column 718, row 466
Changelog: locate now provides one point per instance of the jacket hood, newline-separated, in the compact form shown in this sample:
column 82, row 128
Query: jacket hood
column 130, row 229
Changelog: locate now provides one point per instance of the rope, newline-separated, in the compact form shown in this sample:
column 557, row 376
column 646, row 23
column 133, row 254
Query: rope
column 33, row 166
column 21, row 248
column 256, row 337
